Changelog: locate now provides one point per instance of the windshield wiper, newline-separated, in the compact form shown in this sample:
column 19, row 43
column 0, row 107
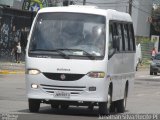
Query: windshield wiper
column 55, row 50
column 88, row 54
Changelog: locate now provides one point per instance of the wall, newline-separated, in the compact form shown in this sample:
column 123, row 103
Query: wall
column 17, row 4
column 7, row 2
column 140, row 14
column 14, row 27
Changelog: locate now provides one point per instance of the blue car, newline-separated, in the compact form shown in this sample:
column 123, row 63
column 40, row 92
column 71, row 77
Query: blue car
column 155, row 65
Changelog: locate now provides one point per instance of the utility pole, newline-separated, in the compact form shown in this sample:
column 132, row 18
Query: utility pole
column 84, row 2
column 130, row 6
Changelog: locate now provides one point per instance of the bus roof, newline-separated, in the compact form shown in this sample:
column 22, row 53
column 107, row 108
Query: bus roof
column 109, row 13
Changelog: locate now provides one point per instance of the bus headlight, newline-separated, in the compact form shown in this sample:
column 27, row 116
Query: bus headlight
column 34, row 86
column 32, row 71
column 96, row 74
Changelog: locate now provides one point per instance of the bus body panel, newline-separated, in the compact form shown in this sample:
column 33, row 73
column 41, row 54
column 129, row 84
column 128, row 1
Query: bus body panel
column 77, row 93
column 66, row 66
column 121, row 74
column 70, row 67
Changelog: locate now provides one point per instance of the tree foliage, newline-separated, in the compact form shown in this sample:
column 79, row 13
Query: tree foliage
column 155, row 19
column 156, row 9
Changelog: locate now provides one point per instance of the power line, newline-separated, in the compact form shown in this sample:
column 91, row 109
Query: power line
column 130, row 6
column 134, row 4
column 117, row 2
column 141, row 4
column 141, row 9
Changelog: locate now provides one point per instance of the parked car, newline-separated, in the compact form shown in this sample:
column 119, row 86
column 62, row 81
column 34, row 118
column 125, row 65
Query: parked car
column 155, row 65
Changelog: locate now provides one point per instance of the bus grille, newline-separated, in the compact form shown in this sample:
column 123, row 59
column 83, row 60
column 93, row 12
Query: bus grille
column 74, row 90
column 63, row 76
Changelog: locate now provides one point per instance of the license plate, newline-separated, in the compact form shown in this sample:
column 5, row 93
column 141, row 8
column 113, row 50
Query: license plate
column 62, row 94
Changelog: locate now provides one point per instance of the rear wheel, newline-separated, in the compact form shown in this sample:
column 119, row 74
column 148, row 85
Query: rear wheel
column 113, row 107
column 155, row 73
column 137, row 67
column 105, row 107
column 121, row 104
column 34, row 105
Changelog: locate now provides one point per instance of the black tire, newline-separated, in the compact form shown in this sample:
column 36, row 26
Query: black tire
column 155, row 73
column 151, row 73
column 54, row 106
column 113, row 107
column 137, row 67
column 64, row 106
column 121, row 104
column 105, row 107
column 91, row 107
column 34, row 105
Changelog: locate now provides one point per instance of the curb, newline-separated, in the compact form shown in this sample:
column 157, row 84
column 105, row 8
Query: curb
column 12, row 72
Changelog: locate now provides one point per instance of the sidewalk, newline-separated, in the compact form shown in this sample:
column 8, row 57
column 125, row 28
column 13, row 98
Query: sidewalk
column 143, row 67
column 12, row 68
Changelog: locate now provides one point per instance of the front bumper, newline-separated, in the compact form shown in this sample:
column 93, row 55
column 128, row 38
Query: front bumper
column 78, row 90
column 155, row 69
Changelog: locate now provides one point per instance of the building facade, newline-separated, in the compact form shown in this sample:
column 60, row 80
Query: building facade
column 141, row 11
column 7, row 2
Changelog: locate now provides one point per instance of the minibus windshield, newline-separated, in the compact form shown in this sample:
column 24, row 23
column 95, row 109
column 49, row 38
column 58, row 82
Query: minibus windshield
column 72, row 34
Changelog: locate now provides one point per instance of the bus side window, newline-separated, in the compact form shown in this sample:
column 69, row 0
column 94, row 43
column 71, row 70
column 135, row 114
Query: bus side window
column 116, row 45
column 131, row 36
column 126, row 36
column 111, row 46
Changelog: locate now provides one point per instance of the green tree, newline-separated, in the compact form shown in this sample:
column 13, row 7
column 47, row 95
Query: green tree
column 155, row 20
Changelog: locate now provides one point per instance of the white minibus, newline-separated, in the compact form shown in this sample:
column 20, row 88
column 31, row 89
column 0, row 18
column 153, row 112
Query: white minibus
column 82, row 56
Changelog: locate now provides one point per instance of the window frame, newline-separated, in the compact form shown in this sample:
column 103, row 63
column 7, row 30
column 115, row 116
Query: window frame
column 129, row 37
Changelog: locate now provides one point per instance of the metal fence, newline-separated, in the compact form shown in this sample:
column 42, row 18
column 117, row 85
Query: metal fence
column 14, row 27
column 146, row 50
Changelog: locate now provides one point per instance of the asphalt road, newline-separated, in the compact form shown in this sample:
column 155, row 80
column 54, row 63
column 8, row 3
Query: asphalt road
column 13, row 102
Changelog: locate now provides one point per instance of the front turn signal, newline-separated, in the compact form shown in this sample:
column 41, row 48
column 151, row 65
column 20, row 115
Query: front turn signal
column 96, row 74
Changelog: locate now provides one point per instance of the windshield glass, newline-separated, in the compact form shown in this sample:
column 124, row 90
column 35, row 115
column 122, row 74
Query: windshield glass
column 157, row 57
column 73, row 34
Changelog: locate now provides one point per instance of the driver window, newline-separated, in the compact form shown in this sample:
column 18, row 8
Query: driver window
column 111, row 49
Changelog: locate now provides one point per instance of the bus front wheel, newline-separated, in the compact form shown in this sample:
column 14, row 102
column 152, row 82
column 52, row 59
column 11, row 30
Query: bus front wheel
column 54, row 106
column 64, row 106
column 34, row 105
